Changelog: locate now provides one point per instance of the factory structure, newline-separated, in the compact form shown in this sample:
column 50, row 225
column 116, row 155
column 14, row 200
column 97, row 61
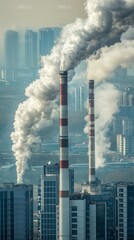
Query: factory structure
column 98, row 211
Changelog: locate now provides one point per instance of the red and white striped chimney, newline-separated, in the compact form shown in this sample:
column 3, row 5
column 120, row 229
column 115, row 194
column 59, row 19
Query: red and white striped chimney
column 91, row 127
column 64, row 220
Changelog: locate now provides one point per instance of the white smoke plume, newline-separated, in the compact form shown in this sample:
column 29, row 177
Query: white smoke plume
column 109, row 58
column 100, row 66
column 106, row 105
column 106, row 21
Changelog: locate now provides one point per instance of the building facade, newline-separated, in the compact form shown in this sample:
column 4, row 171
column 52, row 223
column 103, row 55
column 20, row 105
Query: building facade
column 31, row 49
column 125, row 211
column 16, row 212
column 11, row 49
column 50, row 200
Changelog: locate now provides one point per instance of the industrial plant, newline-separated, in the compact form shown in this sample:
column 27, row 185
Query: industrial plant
column 98, row 211
column 43, row 195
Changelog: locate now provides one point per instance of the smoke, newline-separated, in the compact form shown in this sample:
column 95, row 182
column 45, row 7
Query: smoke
column 107, row 97
column 100, row 66
column 106, row 21
column 109, row 58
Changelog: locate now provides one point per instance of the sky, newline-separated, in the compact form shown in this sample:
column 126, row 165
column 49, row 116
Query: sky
column 39, row 13
column 33, row 14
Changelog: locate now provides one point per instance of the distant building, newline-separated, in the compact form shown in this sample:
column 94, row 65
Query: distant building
column 123, row 127
column 77, row 98
column 47, row 38
column 31, row 50
column 16, row 212
column 46, row 41
column 11, row 53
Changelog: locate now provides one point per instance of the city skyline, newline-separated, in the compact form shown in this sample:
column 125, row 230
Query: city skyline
column 71, row 184
column 33, row 14
column 79, row 40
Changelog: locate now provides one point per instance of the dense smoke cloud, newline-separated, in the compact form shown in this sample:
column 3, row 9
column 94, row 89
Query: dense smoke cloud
column 100, row 66
column 106, row 21
column 108, row 59
column 106, row 105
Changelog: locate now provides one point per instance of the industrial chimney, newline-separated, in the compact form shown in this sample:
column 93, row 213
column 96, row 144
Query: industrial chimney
column 93, row 186
column 91, row 130
column 64, row 165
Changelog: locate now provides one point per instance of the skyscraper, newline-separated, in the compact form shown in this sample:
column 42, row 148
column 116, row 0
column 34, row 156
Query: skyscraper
column 16, row 212
column 46, row 41
column 47, row 38
column 50, row 200
column 31, row 50
column 11, row 53
column 125, row 211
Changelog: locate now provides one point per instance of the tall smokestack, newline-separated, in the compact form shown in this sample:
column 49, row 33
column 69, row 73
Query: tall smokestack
column 91, row 146
column 64, row 170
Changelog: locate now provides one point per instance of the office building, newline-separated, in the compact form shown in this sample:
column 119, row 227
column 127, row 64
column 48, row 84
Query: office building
column 31, row 55
column 31, row 50
column 50, row 200
column 47, row 39
column 123, row 128
column 16, row 212
column 124, row 135
column 125, row 211
column 77, row 98
column 11, row 54
column 91, row 216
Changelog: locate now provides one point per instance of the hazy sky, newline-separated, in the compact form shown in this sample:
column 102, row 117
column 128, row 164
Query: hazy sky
column 39, row 13
column 20, row 14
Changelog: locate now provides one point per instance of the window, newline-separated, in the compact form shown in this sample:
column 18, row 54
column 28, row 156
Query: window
column 74, row 220
column 74, row 225
column 120, row 189
column 74, row 208
column 74, row 214
column 74, row 232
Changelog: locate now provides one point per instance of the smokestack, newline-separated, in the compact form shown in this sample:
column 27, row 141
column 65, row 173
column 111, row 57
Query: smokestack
column 64, row 170
column 91, row 146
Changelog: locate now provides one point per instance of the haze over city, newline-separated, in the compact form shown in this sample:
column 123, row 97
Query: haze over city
column 67, row 113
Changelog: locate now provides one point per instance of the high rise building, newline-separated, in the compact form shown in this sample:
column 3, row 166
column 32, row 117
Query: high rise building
column 31, row 50
column 46, row 41
column 47, row 38
column 92, row 216
column 16, row 212
column 125, row 211
column 123, row 128
column 50, row 200
column 11, row 53
column 31, row 53
column 77, row 98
